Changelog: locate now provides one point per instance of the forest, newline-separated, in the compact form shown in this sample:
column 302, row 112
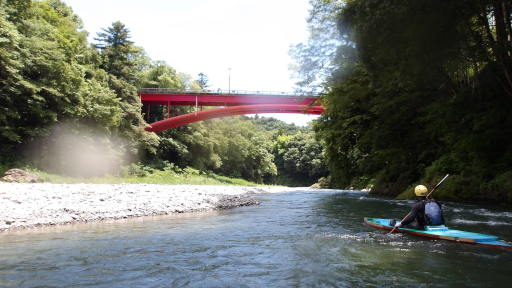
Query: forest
column 71, row 107
column 414, row 90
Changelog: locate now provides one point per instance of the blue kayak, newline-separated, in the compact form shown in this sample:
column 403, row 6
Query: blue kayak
column 442, row 232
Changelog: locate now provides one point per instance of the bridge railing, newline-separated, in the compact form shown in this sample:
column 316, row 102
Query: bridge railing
column 223, row 92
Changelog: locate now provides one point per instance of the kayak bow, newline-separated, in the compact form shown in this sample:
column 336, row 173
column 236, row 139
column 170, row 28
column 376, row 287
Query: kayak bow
column 442, row 232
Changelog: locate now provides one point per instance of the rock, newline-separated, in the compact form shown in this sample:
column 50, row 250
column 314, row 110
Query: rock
column 316, row 186
column 18, row 175
column 231, row 201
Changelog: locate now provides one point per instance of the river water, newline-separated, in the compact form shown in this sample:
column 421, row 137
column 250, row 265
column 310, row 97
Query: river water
column 295, row 239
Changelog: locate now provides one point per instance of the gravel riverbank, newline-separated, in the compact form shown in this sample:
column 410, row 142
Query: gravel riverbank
column 24, row 205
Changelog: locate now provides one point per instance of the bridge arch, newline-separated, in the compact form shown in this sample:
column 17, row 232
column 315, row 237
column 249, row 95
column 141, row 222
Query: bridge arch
column 233, row 111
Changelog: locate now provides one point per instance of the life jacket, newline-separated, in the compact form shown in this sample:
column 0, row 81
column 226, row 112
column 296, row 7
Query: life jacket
column 433, row 213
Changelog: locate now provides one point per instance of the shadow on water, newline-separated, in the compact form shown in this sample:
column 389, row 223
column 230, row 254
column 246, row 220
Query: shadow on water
column 296, row 239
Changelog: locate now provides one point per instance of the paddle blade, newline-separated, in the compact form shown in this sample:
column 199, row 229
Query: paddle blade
column 441, row 181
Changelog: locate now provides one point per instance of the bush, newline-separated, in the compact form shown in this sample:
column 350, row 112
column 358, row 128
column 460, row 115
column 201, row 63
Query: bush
column 190, row 172
column 164, row 165
column 499, row 189
column 134, row 170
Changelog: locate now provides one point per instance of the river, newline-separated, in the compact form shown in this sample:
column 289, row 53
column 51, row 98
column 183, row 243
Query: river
column 294, row 239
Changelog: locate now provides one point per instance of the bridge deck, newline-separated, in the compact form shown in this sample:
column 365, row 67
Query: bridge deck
column 163, row 96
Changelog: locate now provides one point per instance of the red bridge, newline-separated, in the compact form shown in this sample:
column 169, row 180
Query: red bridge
column 231, row 103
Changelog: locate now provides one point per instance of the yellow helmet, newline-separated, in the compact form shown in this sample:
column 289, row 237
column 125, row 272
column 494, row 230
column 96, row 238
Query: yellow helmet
column 420, row 190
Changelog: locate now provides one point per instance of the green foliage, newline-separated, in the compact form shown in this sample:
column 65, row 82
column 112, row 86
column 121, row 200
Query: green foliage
column 117, row 51
column 191, row 172
column 135, row 170
column 119, row 60
column 274, row 125
column 498, row 189
column 9, row 77
column 323, row 183
column 231, row 147
column 419, row 89
column 157, row 74
column 243, row 147
column 51, row 76
column 298, row 157
column 71, row 108
column 314, row 59
column 301, row 160
column 227, row 146
column 140, row 174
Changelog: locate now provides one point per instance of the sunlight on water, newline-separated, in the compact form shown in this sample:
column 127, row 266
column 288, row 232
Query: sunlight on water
column 300, row 239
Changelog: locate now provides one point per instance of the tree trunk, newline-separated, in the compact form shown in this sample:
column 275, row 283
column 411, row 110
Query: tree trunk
column 503, row 51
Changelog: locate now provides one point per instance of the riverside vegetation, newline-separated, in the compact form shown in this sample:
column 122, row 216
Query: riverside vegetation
column 414, row 90
column 137, row 174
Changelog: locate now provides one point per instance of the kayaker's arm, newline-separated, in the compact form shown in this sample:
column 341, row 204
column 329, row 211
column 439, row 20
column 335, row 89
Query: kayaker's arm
column 412, row 216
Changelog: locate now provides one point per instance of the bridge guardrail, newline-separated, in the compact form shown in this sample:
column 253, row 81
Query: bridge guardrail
column 224, row 92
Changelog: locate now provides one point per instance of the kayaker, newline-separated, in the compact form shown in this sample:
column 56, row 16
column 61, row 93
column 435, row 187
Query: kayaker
column 419, row 216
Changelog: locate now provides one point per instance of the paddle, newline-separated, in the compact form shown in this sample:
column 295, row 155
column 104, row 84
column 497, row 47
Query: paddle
column 435, row 187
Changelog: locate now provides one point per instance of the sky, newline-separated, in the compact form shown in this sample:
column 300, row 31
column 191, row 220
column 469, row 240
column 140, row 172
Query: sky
column 238, row 44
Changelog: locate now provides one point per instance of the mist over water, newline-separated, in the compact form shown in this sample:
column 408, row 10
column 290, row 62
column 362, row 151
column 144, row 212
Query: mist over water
column 297, row 239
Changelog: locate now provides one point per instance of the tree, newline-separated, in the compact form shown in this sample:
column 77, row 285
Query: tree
column 10, row 79
column 314, row 59
column 418, row 66
column 494, row 18
column 117, row 51
column 49, row 76
column 403, row 53
column 119, row 61
column 229, row 146
column 303, row 160
column 202, row 81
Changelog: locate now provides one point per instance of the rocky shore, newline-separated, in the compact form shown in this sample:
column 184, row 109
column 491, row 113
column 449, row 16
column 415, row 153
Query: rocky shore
column 28, row 205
